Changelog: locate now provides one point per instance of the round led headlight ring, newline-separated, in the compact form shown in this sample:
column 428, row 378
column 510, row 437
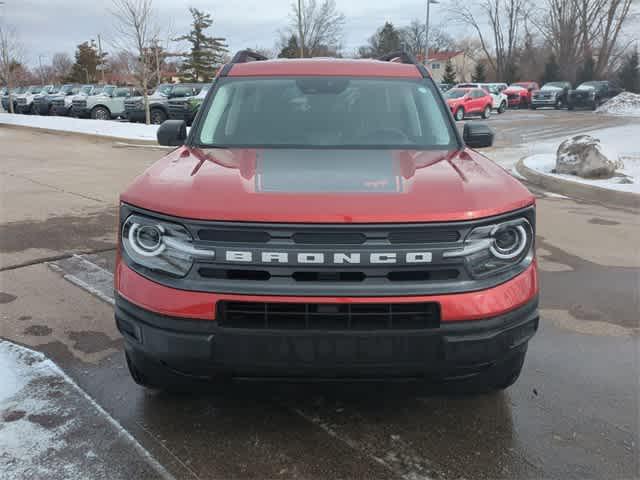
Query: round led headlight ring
column 146, row 240
column 509, row 241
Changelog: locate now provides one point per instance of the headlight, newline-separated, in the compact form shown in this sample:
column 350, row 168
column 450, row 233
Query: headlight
column 67, row 101
column 494, row 248
column 160, row 246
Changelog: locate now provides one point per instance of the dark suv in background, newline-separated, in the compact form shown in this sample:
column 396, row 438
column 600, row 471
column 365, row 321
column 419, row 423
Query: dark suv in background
column 186, row 106
column 552, row 94
column 592, row 94
column 159, row 102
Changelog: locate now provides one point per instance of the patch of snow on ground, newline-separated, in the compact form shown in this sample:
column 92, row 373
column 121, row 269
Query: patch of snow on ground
column 625, row 104
column 103, row 128
column 617, row 143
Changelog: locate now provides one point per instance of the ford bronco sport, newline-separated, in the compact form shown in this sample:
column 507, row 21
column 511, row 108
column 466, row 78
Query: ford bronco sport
column 324, row 218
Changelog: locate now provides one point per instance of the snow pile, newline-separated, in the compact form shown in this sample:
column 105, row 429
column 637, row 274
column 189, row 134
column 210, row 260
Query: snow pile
column 582, row 155
column 103, row 128
column 619, row 144
column 625, row 104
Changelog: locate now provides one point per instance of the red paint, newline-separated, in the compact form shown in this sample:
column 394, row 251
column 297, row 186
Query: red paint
column 198, row 305
column 325, row 67
column 434, row 186
column 520, row 96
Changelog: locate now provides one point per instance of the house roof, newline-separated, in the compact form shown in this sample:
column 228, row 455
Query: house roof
column 444, row 56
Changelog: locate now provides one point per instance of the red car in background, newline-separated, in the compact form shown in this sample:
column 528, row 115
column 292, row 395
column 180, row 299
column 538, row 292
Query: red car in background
column 469, row 101
column 519, row 94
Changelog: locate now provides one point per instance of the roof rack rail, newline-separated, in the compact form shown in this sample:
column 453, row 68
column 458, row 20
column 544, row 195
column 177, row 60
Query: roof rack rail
column 404, row 57
column 243, row 56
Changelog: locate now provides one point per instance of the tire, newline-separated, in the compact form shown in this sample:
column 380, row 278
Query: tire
column 50, row 111
column 32, row 109
column 503, row 107
column 486, row 113
column 459, row 115
column 100, row 113
column 559, row 104
column 158, row 116
column 497, row 377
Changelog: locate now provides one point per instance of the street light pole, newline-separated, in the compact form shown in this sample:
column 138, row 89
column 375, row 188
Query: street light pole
column 426, row 31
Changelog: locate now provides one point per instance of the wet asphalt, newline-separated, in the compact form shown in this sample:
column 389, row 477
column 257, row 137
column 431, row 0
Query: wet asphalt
column 573, row 413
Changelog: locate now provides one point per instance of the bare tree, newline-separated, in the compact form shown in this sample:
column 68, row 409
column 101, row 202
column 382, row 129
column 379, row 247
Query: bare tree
column 61, row 64
column 578, row 29
column 10, row 58
column 317, row 25
column 136, row 28
column 505, row 19
column 413, row 38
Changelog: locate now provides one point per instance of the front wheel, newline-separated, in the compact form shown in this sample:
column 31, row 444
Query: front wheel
column 486, row 113
column 498, row 376
column 158, row 116
column 100, row 113
column 503, row 107
column 459, row 114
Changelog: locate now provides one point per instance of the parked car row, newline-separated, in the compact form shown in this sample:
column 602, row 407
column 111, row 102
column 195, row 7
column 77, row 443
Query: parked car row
column 105, row 102
column 465, row 99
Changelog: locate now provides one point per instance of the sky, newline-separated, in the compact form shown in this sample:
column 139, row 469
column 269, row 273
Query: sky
column 49, row 26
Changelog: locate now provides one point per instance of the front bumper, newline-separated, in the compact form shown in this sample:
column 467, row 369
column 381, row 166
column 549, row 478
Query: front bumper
column 203, row 349
column 582, row 101
column 81, row 112
column 61, row 111
column 135, row 115
column 544, row 102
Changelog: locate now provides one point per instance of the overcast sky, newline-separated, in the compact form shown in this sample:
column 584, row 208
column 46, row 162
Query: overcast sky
column 50, row 26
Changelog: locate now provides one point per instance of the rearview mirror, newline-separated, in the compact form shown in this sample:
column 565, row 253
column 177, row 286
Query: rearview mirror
column 172, row 133
column 477, row 135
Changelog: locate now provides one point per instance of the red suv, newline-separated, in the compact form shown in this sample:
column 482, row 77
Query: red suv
column 325, row 219
column 469, row 101
column 519, row 94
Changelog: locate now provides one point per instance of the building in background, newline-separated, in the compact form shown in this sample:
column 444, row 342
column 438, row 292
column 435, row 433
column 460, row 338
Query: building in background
column 462, row 64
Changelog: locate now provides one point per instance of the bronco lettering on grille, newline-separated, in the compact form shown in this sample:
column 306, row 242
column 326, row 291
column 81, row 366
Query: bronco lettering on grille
column 337, row 258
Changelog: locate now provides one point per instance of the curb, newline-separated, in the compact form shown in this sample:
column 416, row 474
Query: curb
column 590, row 193
column 106, row 138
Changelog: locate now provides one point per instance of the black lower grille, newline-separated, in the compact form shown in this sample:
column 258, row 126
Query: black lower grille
column 329, row 317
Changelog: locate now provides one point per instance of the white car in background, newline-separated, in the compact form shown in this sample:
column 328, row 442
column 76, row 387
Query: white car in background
column 500, row 100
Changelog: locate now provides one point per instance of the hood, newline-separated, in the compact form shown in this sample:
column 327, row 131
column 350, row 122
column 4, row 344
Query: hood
column 326, row 186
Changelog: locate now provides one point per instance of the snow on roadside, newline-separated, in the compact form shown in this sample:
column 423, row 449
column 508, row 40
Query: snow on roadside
column 103, row 128
column 51, row 429
column 625, row 104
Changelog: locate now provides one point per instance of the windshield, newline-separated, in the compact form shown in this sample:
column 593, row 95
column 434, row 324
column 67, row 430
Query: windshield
column 181, row 91
column 455, row 93
column 163, row 89
column 325, row 112
column 553, row 86
column 34, row 89
column 66, row 88
column 108, row 90
column 86, row 89
column 587, row 86
column 122, row 92
column 516, row 87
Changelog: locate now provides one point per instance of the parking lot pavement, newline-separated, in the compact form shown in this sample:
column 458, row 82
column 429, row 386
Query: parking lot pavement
column 573, row 413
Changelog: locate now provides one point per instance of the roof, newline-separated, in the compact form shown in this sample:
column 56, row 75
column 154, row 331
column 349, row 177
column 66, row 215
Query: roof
column 444, row 56
column 325, row 67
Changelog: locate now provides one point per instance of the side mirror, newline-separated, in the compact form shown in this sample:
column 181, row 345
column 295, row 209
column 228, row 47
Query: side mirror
column 172, row 133
column 476, row 135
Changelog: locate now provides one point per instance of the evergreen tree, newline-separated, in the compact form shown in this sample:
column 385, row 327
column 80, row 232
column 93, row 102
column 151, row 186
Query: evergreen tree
column 207, row 53
column 551, row 70
column 387, row 39
column 291, row 49
column 85, row 68
column 479, row 74
column 629, row 74
column 587, row 72
column 449, row 73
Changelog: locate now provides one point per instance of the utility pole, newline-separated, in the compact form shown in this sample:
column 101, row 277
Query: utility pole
column 100, row 57
column 300, row 28
column 426, row 31
column 41, row 72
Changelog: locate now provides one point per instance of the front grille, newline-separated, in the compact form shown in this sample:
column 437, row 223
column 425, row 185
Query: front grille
column 512, row 96
column 79, row 104
column 132, row 105
column 177, row 108
column 38, row 100
column 22, row 101
column 59, row 102
column 328, row 317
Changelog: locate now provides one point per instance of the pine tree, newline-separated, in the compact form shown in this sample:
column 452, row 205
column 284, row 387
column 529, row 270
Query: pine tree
column 388, row 39
column 85, row 68
column 207, row 53
column 479, row 74
column 551, row 70
column 291, row 49
column 629, row 74
column 449, row 73
column 587, row 72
